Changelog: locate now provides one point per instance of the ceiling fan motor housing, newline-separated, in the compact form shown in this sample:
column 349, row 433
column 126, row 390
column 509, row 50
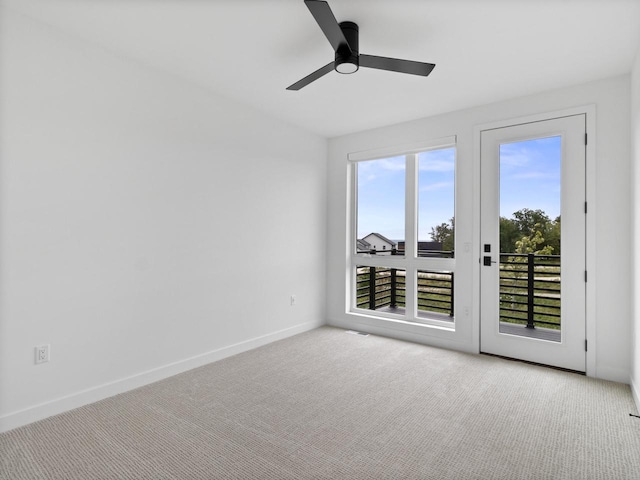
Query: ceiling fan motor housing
column 347, row 61
column 343, row 38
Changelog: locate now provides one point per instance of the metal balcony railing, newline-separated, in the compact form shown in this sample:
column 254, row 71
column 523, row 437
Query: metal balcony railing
column 379, row 287
column 529, row 289
column 420, row 253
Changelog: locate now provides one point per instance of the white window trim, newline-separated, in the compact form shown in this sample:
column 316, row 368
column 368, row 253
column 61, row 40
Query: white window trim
column 410, row 262
column 394, row 151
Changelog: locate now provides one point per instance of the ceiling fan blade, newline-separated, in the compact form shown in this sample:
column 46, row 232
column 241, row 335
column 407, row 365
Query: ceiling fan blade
column 396, row 65
column 329, row 25
column 312, row 77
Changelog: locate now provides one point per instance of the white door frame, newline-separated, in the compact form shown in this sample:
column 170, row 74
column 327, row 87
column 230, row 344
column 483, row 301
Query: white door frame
column 590, row 112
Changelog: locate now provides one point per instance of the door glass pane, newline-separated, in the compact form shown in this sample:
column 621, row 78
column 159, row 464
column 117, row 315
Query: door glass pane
column 436, row 197
column 530, row 179
column 380, row 205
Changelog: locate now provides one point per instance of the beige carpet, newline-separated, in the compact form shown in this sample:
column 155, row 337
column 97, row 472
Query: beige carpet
column 331, row 405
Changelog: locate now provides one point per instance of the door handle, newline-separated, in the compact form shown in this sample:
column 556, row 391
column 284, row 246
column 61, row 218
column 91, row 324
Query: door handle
column 487, row 261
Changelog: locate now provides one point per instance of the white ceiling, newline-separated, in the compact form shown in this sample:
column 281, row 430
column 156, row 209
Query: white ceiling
column 251, row 50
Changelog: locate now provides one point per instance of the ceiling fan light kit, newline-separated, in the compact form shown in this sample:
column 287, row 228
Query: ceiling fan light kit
column 347, row 59
column 343, row 37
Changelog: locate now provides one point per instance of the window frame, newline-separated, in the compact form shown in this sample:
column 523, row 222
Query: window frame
column 410, row 261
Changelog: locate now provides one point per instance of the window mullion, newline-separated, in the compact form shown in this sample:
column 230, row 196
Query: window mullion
column 411, row 233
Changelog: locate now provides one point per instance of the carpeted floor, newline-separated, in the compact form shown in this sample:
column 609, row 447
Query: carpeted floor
column 330, row 405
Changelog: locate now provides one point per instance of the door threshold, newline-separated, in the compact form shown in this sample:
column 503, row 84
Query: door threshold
column 584, row 374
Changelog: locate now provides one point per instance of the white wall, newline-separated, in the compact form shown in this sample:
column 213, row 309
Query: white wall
column 147, row 225
column 635, row 221
column 612, row 354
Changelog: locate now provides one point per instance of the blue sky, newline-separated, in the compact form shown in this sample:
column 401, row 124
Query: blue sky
column 381, row 190
column 381, row 197
column 436, row 190
column 529, row 178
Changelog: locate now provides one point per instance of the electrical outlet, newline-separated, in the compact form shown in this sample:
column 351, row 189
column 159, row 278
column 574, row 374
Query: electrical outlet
column 42, row 354
column 293, row 300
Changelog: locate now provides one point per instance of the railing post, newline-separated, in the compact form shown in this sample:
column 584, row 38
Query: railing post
column 452, row 290
column 372, row 288
column 530, row 289
column 393, row 288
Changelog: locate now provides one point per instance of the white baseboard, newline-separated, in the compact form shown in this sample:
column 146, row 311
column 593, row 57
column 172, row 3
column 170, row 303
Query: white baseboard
column 636, row 393
column 100, row 392
column 612, row 374
column 416, row 333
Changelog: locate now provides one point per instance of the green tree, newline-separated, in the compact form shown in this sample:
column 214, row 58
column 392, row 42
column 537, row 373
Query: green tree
column 529, row 221
column 509, row 235
column 530, row 231
column 444, row 233
column 553, row 236
column 534, row 243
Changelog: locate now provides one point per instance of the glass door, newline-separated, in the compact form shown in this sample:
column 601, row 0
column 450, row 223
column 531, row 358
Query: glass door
column 533, row 242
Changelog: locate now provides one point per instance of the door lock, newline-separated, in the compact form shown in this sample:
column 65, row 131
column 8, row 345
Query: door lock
column 488, row 261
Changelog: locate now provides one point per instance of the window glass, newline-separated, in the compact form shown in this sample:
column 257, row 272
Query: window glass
column 435, row 294
column 380, row 205
column 530, row 231
column 436, row 199
column 381, row 289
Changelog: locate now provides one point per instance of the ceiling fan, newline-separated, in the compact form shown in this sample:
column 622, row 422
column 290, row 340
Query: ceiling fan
column 343, row 37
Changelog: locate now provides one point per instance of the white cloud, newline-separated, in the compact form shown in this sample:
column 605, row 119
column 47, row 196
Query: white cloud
column 370, row 170
column 439, row 160
column 437, row 165
column 393, row 164
column 535, row 176
column 436, row 186
column 511, row 156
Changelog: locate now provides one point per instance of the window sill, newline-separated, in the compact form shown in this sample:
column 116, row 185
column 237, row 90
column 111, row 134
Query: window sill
column 425, row 322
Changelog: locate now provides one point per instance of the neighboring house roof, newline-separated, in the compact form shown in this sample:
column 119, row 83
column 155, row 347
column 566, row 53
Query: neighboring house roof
column 363, row 244
column 382, row 237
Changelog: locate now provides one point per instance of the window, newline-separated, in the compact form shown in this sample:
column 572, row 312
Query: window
column 381, row 202
column 403, row 255
column 436, row 194
column 380, row 287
